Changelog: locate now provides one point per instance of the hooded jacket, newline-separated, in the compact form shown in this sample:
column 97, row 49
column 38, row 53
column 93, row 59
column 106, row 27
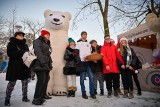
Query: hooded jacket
column 42, row 51
column 110, row 56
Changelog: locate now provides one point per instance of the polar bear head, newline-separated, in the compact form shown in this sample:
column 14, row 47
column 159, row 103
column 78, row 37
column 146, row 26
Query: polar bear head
column 57, row 20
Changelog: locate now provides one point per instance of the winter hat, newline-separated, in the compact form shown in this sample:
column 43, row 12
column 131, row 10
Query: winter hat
column 70, row 40
column 123, row 39
column 92, row 41
column 44, row 32
column 17, row 33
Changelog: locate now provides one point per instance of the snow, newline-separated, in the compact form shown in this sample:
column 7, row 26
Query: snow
column 147, row 99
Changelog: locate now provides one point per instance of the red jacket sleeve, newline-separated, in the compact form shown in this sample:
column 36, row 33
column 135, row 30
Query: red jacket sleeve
column 103, row 52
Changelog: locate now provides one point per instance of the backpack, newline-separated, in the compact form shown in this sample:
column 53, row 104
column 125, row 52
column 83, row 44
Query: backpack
column 29, row 57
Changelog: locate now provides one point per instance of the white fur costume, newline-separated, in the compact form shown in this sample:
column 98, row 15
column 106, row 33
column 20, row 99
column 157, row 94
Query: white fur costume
column 57, row 23
column 153, row 22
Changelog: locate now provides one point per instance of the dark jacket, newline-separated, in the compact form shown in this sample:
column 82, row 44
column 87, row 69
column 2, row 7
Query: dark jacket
column 72, row 58
column 135, row 63
column 16, row 68
column 42, row 51
column 96, row 67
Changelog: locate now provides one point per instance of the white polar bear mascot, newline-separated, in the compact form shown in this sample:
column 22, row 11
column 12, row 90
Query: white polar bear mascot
column 153, row 22
column 57, row 23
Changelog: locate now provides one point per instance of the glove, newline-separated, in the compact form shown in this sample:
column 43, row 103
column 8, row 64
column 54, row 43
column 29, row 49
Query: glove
column 74, row 53
column 136, row 71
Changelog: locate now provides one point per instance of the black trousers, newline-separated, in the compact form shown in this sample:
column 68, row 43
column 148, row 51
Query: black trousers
column 127, row 79
column 41, row 85
column 135, row 77
column 112, row 78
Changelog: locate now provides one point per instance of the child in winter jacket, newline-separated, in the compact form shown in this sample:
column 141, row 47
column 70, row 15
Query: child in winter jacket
column 72, row 57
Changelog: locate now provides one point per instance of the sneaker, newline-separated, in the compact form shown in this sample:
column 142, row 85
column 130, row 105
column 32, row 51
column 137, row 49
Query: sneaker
column 84, row 96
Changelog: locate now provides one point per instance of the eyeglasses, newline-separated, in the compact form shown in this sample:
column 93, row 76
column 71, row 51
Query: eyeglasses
column 20, row 35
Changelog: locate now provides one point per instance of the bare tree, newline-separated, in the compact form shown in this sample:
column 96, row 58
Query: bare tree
column 33, row 27
column 127, row 13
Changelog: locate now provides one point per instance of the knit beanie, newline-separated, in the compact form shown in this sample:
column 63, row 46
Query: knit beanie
column 92, row 41
column 70, row 40
column 123, row 39
column 17, row 33
column 44, row 32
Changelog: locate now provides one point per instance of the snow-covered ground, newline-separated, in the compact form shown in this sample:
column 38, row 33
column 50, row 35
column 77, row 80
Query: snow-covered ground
column 148, row 99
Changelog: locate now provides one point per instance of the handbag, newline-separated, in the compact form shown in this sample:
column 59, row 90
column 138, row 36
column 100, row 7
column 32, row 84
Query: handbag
column 65, row 70
column 81, row 67
column 29, row 57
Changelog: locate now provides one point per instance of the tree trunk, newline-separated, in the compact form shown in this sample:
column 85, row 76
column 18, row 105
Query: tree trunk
column 106, row 27
column 104, row 13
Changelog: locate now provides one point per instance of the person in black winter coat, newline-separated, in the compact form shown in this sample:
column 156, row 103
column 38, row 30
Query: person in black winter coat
column 130, row 58
column 97, row 68
column 42, row 67
column 17, row 70
column 72, row 58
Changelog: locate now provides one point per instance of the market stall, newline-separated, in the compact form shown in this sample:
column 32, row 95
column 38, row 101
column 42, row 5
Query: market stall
column 144, row 42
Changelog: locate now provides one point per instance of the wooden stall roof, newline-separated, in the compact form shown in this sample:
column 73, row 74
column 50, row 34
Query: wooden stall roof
column 149, row 42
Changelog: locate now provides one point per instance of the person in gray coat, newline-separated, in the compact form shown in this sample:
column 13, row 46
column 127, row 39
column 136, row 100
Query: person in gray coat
column 42, row 67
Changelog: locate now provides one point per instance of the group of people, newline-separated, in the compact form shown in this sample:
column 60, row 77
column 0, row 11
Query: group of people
column 117, row 59
column 17, row 70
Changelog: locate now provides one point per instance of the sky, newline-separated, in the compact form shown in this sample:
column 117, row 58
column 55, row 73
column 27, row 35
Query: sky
column 34, row 9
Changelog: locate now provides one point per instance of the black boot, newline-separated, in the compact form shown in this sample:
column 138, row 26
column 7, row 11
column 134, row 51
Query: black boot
column 95, row 91
column 72, row 93
column 7, row 102
column 37, row 101
column 25, row 99
column 109, row 94
column 93, row 96
column 69, row 94
column 84, row 96
column 47, row 97
column 101, row 92
column 139, row 93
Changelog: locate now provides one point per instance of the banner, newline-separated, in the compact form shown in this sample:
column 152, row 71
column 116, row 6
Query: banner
column 149, row 80
column 137, row 32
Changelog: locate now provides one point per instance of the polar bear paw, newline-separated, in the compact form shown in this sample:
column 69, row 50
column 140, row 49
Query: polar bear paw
column 59, row 91
column 49, row 91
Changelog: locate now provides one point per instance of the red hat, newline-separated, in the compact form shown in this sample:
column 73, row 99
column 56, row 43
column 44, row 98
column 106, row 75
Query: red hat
column 44, row 32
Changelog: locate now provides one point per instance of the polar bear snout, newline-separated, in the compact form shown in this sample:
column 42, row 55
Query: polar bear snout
column 56, row 20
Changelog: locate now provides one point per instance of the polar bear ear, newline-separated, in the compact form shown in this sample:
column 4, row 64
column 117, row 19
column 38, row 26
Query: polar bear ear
column 47, row 12
column 68, row 15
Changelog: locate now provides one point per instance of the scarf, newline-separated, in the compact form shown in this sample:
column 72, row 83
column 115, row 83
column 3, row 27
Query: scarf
column 129, row 56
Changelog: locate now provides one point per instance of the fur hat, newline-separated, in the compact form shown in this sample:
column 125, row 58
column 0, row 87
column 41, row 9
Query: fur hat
column 44, row 32
column 123, row 39
column 70, row 40
column 17, row 33
column 92, row 41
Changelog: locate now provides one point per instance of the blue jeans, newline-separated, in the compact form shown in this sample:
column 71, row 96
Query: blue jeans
column 82, row 77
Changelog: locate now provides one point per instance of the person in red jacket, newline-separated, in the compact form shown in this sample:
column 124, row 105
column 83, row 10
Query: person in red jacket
column 110, row 66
